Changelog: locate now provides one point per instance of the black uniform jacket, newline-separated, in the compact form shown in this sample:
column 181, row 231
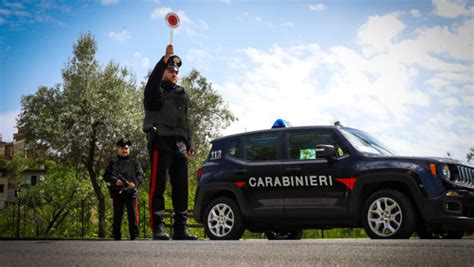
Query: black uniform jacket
column 166, row 108
column 127, row 167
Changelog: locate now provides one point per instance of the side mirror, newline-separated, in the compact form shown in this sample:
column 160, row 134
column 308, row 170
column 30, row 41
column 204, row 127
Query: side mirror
column 326, row 151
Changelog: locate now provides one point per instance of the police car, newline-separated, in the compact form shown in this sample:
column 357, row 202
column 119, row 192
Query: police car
column 286, row 179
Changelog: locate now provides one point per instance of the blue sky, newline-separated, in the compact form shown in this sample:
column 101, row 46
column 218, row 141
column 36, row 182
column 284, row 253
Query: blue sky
column 400, row 70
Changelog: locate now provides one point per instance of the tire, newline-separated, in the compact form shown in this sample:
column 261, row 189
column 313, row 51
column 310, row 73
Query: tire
column 388, row 214
column 223, row 220
column 283, row 235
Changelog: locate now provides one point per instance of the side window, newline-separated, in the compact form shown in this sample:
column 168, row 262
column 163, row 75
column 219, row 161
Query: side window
column 261, row 147
column 302, row 144
column 233, row 149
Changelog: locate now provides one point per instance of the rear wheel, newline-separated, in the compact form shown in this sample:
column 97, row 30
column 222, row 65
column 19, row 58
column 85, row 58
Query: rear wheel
column 223, row 220
column 388, row 214
column 284, row 235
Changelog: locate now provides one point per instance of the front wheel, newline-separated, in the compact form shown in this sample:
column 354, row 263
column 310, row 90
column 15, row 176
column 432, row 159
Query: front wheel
column 223, row 220
column 388, row 214
column 284, row 235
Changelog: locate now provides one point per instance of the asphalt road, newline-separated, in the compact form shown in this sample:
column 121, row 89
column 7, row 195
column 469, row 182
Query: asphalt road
column 308, row 252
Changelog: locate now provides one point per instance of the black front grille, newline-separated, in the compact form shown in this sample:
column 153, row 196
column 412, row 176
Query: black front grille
column 462, row 176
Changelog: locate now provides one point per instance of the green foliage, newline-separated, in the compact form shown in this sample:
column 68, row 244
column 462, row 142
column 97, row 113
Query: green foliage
column 336, row 233
column 470, row 154
column 3, row 163
column 51, row 208
column 56, row 201
column 79, row 123
column 17, row 165
column 76, row 124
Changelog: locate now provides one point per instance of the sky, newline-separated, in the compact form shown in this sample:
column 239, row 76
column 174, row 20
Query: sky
column 400, row 70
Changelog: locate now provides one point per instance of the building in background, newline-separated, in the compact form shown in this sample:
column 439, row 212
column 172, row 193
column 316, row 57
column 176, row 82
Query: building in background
column 30, row 177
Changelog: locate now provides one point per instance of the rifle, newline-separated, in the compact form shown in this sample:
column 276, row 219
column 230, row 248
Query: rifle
column 124, row 181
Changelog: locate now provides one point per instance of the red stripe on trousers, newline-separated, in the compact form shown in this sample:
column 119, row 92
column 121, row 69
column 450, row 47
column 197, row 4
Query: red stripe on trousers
column 154, row 169
column 136, row 212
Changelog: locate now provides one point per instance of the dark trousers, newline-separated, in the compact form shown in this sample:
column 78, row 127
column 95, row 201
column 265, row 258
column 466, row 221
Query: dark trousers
column 129, row 200
column 174, row 163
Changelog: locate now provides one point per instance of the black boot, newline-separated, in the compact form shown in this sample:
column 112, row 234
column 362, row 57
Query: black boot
column 160, row 233
column 183, row 234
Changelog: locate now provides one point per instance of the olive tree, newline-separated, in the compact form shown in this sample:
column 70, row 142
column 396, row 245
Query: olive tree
column 78, row 122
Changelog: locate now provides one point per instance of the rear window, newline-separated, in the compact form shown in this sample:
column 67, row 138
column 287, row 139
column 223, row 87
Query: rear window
column 233, row 149
column 261, row 147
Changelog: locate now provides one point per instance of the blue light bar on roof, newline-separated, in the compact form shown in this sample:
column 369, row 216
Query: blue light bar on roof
column 279, row 124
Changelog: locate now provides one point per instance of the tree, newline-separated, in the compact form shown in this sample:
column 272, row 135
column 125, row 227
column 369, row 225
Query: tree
column 78, row 122
column 208, row 115
column 56, row 200
column 470, row 155
column 16, row 166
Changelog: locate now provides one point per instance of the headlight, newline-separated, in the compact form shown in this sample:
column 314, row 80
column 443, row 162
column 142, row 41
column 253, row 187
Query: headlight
column 446, row 171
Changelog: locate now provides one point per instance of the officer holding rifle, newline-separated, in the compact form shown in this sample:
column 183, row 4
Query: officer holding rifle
column 124, row 174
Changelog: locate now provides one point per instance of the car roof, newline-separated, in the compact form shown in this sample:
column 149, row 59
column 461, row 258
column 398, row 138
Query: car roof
column 282, row 129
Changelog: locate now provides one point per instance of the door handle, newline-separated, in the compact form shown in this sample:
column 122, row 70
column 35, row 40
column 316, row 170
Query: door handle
column 240, row 172
column 292, row 170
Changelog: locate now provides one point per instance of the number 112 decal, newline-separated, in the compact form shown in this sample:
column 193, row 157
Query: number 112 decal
column 216, row 154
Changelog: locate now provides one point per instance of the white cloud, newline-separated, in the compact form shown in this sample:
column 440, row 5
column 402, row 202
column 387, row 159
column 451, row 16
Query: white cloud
column 18, row 15
column 432, row 44
column 288, row 24
column 225, row 1
column 259, row 19
column 317, row 7
column 415, row 13
column 140, row 65
column 379, row 31
column 141, row 61
column 451, row 8
column 159, row 13
column 7, row 127
column 385, row 89
column 109, row 2
column 197, row 54
column 120, row 36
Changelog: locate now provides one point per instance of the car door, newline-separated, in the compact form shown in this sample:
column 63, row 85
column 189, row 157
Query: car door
column 259, row 165
column 315, row 190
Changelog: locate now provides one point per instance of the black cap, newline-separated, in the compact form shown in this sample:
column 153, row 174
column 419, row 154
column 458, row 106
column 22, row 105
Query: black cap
column 173, row 63
column 123, row 142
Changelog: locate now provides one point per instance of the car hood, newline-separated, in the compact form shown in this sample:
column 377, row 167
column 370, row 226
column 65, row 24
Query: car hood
column 428, row 159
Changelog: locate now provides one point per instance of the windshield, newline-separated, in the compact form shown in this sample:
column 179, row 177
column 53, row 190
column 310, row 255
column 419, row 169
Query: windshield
column 363, row 142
